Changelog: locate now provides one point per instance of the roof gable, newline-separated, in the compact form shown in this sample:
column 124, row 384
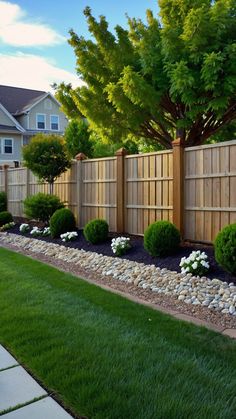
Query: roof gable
column 40, row 99
column 10, row 118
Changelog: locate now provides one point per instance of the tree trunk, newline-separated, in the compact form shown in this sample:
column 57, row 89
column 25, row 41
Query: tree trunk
column 51, row 187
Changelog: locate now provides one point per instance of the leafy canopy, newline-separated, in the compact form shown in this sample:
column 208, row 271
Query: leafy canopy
column 173, row 75
column 77, row 137
column 46, row 157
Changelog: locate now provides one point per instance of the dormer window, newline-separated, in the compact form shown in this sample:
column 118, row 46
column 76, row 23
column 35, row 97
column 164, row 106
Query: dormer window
column 40, row 121
column 54, row 121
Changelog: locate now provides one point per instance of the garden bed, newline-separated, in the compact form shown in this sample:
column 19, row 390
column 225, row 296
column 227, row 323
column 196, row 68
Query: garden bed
column 138, row 254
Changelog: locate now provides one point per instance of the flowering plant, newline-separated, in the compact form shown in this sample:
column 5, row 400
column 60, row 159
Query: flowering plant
column 36, row 232
column 46, row 231
column 196, row 263
column 24, row 228
column 69, row 236
column 120, row 245
column 7, row 226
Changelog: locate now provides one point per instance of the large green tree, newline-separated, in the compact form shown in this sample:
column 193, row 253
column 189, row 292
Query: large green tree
column 174, row 76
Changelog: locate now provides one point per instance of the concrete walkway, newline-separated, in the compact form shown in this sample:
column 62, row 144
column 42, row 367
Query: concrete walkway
column 21, row 397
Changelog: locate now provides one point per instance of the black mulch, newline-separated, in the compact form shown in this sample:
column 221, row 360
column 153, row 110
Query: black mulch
column 138, row 254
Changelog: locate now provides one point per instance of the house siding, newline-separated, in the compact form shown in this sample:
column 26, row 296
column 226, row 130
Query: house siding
column 17, row 146
column 23, row 120
column 5, row 120
column 41, row 108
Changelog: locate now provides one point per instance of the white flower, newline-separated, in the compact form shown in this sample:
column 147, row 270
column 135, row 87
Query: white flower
column 194, row 265
column 69, row 236
column 24, row 228
column 119, row 245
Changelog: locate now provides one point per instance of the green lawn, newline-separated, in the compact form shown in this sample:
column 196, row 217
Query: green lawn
column 106, row 357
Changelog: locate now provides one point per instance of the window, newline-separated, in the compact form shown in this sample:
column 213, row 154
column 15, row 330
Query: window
column 54, row 122
column 40, row 121
column 7, row 145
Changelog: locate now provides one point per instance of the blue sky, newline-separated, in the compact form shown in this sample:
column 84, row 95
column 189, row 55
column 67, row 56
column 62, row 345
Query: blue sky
column 33, row 47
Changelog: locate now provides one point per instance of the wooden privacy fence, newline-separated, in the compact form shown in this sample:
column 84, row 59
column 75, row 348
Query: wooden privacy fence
column 195, row 188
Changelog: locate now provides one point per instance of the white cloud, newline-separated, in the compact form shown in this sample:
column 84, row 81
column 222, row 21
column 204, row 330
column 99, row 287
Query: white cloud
column 15, row 30
column 33, row 72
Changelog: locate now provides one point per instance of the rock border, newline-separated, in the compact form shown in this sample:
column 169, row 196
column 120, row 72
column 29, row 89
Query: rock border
column 147, row 284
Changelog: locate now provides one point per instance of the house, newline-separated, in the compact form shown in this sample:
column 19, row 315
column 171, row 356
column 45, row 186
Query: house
column 24, row 113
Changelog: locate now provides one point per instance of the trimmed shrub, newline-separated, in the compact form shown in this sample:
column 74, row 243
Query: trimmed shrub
column 225, row 248
column 3, row 201
column 5, row 218
column 161, row 238
column 62, row 221
column 41, row 206
column 96, row 231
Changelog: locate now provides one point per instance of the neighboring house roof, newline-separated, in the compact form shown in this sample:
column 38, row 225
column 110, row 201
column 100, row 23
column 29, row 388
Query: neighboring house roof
column 18, row 100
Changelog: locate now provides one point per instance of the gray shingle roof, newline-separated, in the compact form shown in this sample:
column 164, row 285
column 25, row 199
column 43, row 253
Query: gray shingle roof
column 16, row 99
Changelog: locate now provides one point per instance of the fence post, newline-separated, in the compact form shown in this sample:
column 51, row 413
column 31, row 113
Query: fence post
column 178, row 185
column 5, row 167
column 120, row 189
column 79, row 186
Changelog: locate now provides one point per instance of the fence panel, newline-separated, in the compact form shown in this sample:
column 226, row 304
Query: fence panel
column 99, row 190
column 210, row 190
column 16, row 190
column 64, row 187
column 148, row 190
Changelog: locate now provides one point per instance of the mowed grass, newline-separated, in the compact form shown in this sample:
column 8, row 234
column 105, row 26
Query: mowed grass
column 106, row 357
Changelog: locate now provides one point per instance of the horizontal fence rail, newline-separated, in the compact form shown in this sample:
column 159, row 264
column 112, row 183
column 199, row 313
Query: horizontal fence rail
column 194, row 187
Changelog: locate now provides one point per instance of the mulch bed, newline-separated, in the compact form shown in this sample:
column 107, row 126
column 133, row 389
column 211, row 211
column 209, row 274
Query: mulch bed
column 138, row 254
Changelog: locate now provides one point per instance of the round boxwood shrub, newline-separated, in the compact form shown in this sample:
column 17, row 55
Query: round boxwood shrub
column 3, row 201
column 96, row 231
column 5, row 218
column 161, row 238
column 225, row 248
column 41, row 206
column 62, row 221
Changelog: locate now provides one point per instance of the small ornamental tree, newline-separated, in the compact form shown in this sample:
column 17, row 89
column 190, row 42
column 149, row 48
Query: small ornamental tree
column 172, row 76
column 46, row 156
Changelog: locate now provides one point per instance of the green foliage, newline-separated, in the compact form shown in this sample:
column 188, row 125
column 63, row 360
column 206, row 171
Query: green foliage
column 77, row 137
column 41, row 206
column 161, row 238
column 172, row 76
column 225, row 248
column 5, row 218
column 108, row 148
column 62, row 221
column 96, row 231
column 3, row 201
column 46, row 156
column 7, row 226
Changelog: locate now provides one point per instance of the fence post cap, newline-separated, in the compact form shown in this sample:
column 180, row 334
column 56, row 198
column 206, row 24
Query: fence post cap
column 121, row 152
column 5, row 166
column 177, row 142
column 80, row 156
